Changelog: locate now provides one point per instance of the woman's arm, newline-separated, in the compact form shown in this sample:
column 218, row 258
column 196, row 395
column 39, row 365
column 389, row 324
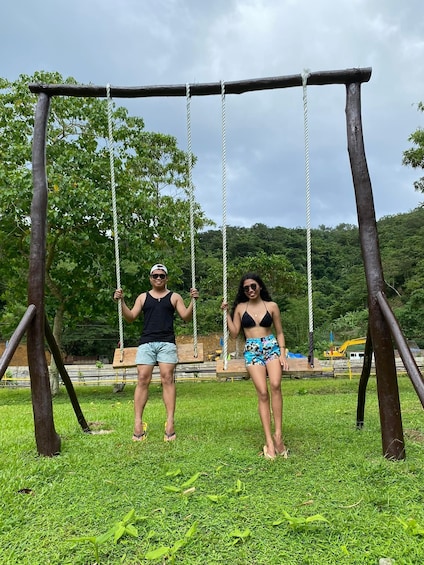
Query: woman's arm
column 279, row 334
column 234, row 323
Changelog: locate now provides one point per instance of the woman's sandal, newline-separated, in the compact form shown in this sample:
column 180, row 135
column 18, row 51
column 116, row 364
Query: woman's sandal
column 284, row 454
column 143, row 435
column 266, row 454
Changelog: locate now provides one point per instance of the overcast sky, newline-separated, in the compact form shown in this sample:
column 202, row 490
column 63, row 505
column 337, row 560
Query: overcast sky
column 151, row 42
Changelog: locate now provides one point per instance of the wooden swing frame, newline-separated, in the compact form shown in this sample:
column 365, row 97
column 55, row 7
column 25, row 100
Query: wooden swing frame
column 380, row 323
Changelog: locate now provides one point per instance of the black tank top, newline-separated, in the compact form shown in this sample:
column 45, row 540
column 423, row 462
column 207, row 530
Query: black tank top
column 158, row 319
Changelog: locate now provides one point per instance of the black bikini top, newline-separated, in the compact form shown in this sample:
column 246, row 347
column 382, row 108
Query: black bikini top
column 248, row 322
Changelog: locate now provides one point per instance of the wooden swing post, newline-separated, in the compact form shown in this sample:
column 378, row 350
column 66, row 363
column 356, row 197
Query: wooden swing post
column 387, row 386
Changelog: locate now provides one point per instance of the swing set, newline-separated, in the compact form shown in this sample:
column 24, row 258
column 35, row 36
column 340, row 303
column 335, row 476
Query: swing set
column 383, row 328
column 124, row 357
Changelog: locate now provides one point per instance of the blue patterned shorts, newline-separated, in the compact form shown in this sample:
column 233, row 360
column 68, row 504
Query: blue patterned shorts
column 260, row 350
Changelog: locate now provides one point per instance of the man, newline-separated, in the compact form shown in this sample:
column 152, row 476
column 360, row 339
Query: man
column 157, row 345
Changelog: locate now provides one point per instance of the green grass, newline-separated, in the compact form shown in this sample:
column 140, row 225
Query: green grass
column 234, row 497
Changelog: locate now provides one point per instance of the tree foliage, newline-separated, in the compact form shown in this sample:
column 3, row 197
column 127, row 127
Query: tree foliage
column 338, row 278
column 415, row 155
column 151, row 197
column 153, row 218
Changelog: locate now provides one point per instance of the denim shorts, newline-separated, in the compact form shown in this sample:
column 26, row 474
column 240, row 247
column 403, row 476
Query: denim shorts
column 156, row 352
column 260, row 350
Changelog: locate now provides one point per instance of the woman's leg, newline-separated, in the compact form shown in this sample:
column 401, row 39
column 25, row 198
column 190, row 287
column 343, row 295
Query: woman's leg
column 274, row 374
column 258, row 375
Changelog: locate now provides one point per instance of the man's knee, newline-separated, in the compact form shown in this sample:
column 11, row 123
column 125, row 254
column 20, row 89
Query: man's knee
column 144, row 375
column 167, row 377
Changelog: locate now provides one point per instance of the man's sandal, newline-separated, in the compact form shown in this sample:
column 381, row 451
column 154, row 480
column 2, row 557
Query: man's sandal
column 169, row 437
column 143, row 435
column 284, row 452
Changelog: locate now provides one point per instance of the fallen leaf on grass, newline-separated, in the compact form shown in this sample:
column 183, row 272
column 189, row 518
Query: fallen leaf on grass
column 189, row 490
column 352, row 505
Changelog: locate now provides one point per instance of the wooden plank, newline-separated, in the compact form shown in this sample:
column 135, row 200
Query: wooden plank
column 236, row 368
column 302, row 365
column 125, row 358
column 185, row 351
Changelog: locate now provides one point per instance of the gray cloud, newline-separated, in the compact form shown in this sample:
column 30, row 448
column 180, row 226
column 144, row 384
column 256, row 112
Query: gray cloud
column 131, row 43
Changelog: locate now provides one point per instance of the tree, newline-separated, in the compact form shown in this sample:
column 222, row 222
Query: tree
column 275, row 270
column 415, row 155
column 151, row 192
column 410, row 317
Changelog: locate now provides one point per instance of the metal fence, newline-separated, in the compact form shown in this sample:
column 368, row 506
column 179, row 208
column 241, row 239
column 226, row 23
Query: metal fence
column 84, row 375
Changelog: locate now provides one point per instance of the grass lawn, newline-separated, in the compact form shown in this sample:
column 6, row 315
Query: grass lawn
column 208, row 498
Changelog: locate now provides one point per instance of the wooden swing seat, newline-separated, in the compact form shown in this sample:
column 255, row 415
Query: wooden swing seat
column 126, row 358
column 236, row 368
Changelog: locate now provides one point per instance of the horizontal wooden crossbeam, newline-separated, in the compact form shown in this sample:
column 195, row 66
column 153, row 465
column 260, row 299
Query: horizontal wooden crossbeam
column 123, row 359
column 343, row 76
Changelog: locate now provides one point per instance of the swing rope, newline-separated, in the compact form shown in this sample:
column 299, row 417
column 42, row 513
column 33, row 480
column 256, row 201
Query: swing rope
column 192, row 202
column 305, row 76
column 224, row 225
column 115, row 216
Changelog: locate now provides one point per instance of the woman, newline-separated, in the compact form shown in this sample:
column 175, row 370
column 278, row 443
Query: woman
column 264, row 353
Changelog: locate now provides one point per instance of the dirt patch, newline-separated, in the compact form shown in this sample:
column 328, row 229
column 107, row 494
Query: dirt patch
column 20, row 357
column 211, row 343
column 415, row 435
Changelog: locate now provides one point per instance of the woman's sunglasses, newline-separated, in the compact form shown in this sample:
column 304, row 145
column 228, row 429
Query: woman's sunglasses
column 252, row 286
column 159, row 276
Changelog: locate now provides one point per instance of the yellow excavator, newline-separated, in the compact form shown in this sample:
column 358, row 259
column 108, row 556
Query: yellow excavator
column 340, row 351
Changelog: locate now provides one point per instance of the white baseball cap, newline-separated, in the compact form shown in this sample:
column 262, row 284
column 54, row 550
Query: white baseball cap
column 159, row 266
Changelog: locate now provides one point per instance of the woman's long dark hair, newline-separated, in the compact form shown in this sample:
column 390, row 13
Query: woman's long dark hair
column 241, row 295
